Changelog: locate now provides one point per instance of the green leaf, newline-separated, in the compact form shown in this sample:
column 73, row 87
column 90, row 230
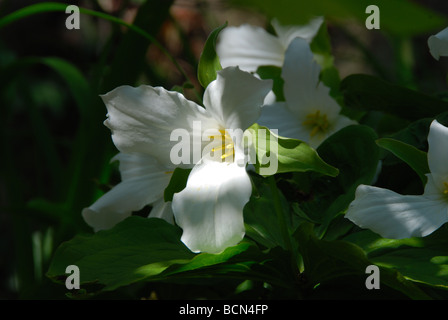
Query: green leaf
column 262, row 222
column 414, row 157
column 353, row 150
column 369, row 93
column 423, row 260
column 328, row 260
column 243, row 261
column 113, row 258
column 276, row 154
column 141, row 249
column 395, row 16
column 416, row 133
column 209, row 61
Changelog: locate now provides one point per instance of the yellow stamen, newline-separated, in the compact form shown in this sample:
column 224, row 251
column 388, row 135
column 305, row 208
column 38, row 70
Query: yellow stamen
column 222, row 134
column 226, row 144
column 316, row 122
column 232, row 153
column 446, row 188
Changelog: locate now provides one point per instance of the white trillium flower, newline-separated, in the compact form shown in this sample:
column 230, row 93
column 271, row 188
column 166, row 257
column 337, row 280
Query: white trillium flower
column 438, row 44
column 250, row 47
column 210, row 208
column 309, row 113
column 397, row 216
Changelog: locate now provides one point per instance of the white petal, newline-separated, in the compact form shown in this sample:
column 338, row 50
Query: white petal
column 438, row 151
column 300, row 73
column 278, row 116
column 249, row 47
column 306, row 95
column 143, row 183
column 235, row 98
column 162, row 210
column 136, row 165
column 270, row 98
column 142, row 119
column 210, row 208
column 395, row 216
column 288, row 33
column 438, row 44
column 303, row 90
column 433, row 189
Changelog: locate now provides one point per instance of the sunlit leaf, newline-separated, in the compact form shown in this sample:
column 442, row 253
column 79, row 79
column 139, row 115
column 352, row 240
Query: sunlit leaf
column 141, row 249
column 277, row 154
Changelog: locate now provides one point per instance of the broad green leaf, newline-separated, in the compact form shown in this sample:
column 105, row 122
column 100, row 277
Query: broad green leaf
column 414, row 157
column 423, row 260
column 416, row 133
column 261, row 219
column 113, row 258
column 353, row 150
column 243, row 261
column 399, row 17
column 209, row 61
column 141, row 249
column 369, row 93
column 399, row 175
column 328, row 260
column 276, row 154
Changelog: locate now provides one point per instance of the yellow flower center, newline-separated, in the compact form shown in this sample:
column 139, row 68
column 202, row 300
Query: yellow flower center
column 226, row 147
column 317, row 123
column 446, row 188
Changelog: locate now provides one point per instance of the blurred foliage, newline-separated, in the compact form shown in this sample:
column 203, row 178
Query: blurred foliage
column 55, row 151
